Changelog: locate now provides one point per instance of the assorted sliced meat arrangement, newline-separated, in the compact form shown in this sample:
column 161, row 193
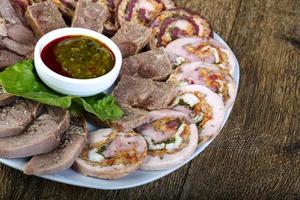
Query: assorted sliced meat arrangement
column 174, row 88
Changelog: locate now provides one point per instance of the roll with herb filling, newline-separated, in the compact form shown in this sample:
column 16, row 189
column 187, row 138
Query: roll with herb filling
column 209, row 75
column 141, row 11
column 205, row 108
column 195, row 49
column 177, row 23
column 172, row 138
column 111, row 154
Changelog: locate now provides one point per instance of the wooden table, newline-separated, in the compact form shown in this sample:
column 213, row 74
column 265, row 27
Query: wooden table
column 257, row 154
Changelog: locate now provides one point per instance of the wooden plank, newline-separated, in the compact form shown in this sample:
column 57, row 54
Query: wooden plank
column 257, row 154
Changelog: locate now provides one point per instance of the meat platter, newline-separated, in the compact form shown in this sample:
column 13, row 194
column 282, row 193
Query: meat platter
column 109, row 94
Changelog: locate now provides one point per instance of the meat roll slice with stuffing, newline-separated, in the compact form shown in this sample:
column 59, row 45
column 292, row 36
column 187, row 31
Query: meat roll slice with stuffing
column 144, row 93
column 205, row 108
column 111, row 154
column 194, row 49
column 90, row 14
column 153, row 64
column 41, row 136
column 141, row 11
column 172, row 138
column 177, row 23
column 208, row 75
column 131, row 38
column 15, row 117
column 63, row 157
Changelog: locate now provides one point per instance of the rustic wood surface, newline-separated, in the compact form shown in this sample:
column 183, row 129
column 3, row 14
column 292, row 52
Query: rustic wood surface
column 257, row 154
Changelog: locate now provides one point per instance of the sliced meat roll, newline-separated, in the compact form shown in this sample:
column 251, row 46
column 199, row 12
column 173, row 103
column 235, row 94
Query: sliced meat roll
column 208, row 75
column 111, row 154
column 144, row 93
column 132, row 38
column 5, row 98
column 171, row 137
column 205, row 108
column 153, row 64
column 194, row 49
column 15, row 117
column 42, row 135
column 90, row 15
column 141, row 11
column 177, row 23
column 63, row 157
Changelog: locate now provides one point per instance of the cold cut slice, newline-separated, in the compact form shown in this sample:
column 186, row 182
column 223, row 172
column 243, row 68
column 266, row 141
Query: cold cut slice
column 15, row 117
column 205, row 108
column 5, row 98
column 8, row 58
column 44, row 17
column 153, row 64
column 111, row 154
column 63, row 157
column 194, row 49
column 141, row 11
column 144, row 93
column 177, row 23
column 16, row 47
column 90, row 15
column 208, row 75
column 171, row 137
column 42, row 136
column 21, row 34
column 132, row 38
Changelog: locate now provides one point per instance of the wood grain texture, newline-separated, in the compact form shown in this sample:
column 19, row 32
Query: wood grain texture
column 257, row 154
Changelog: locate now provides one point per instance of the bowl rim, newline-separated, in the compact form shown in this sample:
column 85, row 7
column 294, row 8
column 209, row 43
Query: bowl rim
column 58, row 33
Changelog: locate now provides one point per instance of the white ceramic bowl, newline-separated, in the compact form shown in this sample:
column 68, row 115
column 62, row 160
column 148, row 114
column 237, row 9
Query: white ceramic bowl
column 71, row 86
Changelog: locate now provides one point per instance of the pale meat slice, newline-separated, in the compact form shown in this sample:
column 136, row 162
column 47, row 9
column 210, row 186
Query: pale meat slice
column 8, row 58
column 90, row 14
column 132, row 118
column 8, row 13
column 153, row 64
column 205, row 108
column 16, row 47
column 21, row 34
column 5, row 98
column 144, row 93
column 63, row 157
column 132, row 38
column 167, row 146
column 195, row 49
column 111, row 154
column 44, row 17
column 209, row 75
column 42, row 135
column 15, row 117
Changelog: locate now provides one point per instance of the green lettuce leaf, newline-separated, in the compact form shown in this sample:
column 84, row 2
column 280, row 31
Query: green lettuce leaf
column 21, row 80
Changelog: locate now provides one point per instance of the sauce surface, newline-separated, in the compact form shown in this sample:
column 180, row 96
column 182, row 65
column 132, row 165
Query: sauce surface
column 78, row 56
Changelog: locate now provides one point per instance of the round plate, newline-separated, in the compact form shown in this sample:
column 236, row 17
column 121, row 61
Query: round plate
column 138, row 178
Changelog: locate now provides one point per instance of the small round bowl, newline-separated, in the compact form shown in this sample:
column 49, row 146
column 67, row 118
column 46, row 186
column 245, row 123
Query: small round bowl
column 72, row 86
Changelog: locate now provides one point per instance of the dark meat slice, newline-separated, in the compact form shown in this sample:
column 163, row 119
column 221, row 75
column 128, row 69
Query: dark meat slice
column 64, row 156
column 18, row 48
column 144, row 93
column 8, row 58
column 153, row 64
column 21, row 34
column 5, row 98
column 42, row 136
column 133, row 117
column 8, row 12
column 177, row 23
column 3, row 29
column 44, row 17
column 131, row 38
column 91, row 15
column 141, row 11
column 15, row 117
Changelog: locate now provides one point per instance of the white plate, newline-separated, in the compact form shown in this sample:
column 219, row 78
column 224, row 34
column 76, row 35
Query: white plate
column 138, row 178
